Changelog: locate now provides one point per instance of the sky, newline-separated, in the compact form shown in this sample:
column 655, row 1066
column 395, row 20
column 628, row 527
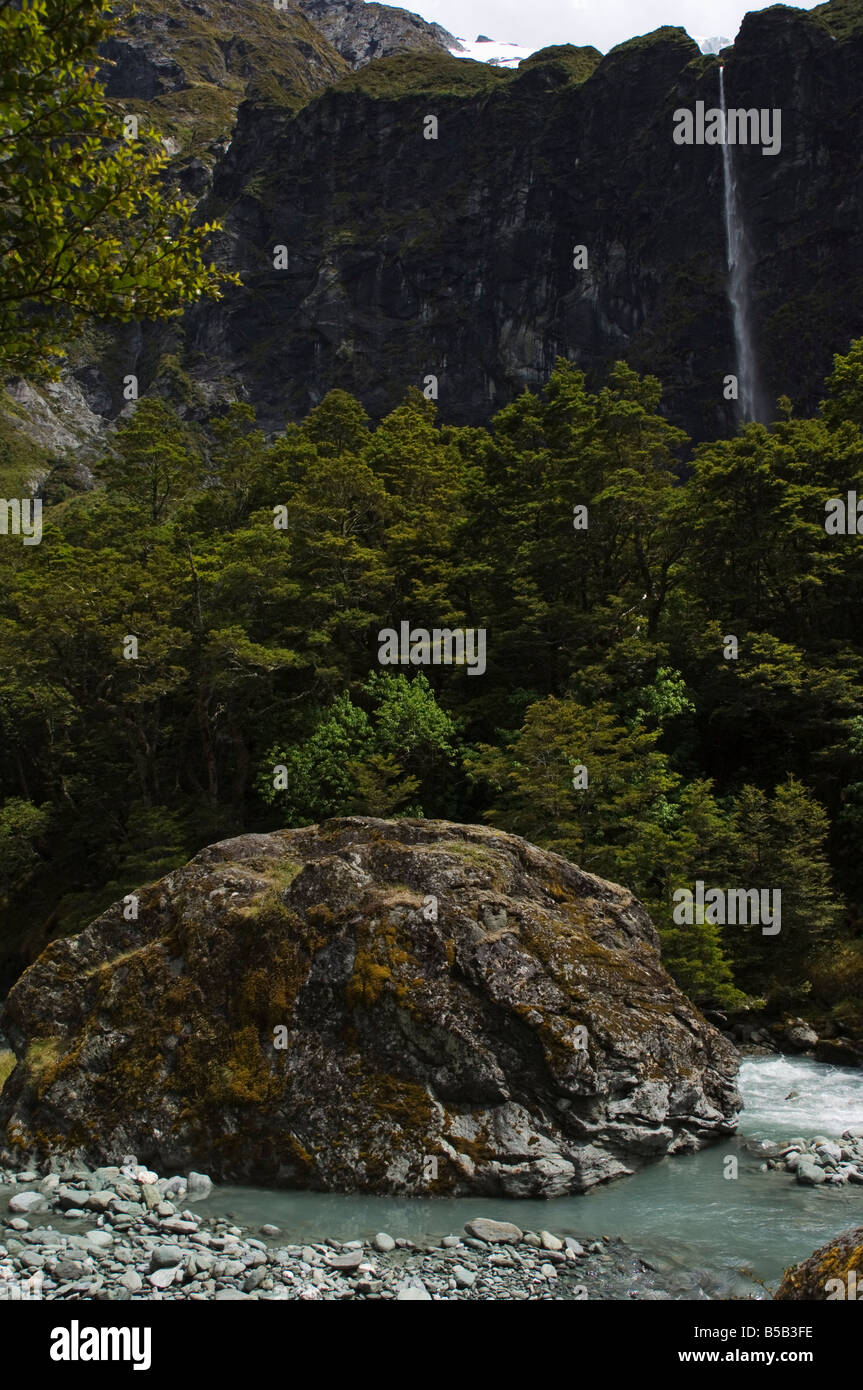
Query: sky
column 603, row 23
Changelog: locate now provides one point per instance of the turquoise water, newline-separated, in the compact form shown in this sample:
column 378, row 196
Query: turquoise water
column 681, row 1213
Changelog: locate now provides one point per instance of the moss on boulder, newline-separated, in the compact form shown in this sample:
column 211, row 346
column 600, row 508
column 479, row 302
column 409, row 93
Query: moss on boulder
column 390, row 1006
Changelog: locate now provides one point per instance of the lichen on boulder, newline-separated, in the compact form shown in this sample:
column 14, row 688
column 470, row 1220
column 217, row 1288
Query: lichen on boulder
column 391, row 1006
column 832, row 1273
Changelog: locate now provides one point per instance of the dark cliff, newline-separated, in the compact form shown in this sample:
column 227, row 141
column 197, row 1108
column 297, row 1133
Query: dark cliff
column 453, row 257
column 411, row 257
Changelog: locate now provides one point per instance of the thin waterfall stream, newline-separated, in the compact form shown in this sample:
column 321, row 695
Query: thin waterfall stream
column 739, row 265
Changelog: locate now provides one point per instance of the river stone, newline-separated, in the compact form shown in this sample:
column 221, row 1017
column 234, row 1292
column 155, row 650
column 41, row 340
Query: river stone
column 835, row 1261
column 70, row 1197
column 410, row 1038
column 165, row 1256
column 464, row 1278
column 352, row 1260
column 383, row 1243
column 493, row 1232
column 809, row 1174
column 101, row 1201
column 27, row 1202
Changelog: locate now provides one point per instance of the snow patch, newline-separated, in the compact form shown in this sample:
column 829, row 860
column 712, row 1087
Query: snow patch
column 499, row 55
column 713, row 45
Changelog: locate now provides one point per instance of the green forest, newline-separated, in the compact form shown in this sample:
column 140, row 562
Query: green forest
column 689, row 640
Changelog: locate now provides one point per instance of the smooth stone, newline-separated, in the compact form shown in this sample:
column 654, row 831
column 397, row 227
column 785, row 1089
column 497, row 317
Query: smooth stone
column 132, row 1281
column 28, row 1201
column 162, row 1278
column 464, row 1278
column 493, row 1232
column 809, row 1174
column 102, row 1200
column 269, row 1230
column 198, row 1185
column 451, row 1242
column 165, row 1257
column 384, row 1243
column 352, row 1260
column 572, row 1244
column 101, row 1239
column 71, row 1197
column 224, row 1294
column 550, row 1242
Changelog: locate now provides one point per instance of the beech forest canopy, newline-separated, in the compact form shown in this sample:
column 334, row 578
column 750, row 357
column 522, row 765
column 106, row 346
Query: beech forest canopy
column 256, row 574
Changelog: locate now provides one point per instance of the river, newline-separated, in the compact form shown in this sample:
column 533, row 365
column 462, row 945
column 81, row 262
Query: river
column 681, row 1213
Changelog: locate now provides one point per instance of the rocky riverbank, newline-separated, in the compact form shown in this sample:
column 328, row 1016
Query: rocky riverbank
column 817, row 1161
column 121, row 1232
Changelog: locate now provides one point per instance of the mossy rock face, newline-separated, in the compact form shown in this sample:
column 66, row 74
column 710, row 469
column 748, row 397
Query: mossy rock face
column 388, row 1006
column 826, row 1275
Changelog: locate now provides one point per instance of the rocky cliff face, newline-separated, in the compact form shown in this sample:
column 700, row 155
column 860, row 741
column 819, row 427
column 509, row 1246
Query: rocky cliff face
column 459, row 1012
column 453, row 257
column 411, row 257
column 361, row 31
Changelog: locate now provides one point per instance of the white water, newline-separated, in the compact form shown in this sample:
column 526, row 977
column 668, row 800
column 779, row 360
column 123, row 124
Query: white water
column 828, row 1100
column 739, row 264
column 682, row 1213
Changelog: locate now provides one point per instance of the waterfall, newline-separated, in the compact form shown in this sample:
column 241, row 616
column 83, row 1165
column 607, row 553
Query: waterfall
column 738, row 277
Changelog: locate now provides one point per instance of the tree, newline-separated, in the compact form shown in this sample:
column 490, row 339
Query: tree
column 590, row 816
column 86, row 228
column 155, row 459
column 365, row 763
column 780, row 843
column 21, row 825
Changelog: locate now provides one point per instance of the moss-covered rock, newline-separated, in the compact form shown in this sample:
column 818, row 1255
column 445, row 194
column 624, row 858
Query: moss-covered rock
column 826, row 1275
column 395, row 1006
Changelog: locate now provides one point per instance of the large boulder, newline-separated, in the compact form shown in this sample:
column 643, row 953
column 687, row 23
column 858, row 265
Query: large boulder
column 394, row 1006
column 832, row 1273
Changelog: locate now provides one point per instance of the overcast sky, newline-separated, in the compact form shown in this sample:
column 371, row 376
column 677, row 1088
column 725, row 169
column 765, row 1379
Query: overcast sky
column 602, row 23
